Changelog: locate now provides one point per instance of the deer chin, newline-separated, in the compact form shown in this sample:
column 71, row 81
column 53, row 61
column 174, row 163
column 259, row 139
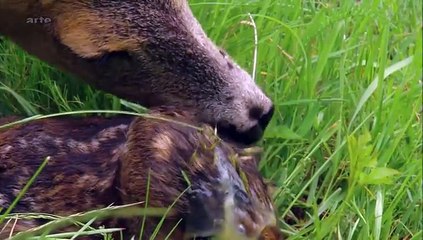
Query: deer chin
column 229, row 132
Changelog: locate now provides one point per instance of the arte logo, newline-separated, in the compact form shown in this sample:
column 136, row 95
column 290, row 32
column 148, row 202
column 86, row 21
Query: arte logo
column 38, row 20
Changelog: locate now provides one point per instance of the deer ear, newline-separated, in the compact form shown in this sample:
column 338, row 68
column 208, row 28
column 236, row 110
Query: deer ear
column 89, row 35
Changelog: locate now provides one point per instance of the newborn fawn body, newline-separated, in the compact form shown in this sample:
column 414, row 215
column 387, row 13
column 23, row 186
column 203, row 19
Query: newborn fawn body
column 95, row 162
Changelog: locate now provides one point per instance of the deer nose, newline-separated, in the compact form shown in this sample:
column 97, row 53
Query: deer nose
column 263, row 117
column 253, row 134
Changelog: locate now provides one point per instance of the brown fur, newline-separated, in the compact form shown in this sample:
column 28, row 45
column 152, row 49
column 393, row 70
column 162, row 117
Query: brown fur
column 97, row 161
column 152, row 52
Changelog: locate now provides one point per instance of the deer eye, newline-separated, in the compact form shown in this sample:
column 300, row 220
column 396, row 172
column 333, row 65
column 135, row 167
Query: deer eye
column 241, row 229
column 113, row 57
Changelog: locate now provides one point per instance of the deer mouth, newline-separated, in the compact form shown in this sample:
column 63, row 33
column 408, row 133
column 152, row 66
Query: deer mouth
column 229, row 132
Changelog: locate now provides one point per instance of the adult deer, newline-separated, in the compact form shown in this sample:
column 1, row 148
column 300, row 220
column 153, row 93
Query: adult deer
column 153, row 52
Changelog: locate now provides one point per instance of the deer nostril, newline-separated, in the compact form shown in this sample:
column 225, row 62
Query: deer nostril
column 265, row 118
column 256, row 113
column 252, row 135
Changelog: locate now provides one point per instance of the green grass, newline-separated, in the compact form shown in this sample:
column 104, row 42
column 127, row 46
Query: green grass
column 345, row 144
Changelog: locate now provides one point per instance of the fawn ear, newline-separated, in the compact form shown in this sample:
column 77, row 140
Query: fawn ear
column 89, row 35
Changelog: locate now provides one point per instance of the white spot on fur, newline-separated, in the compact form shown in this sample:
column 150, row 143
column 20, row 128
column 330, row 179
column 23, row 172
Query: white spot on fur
column 111, row 132
column 5, row 150
column 58, row 142
column 162, row 145
column 3, row 201
column 22, row 143
column 79, row 147
column 95, row 143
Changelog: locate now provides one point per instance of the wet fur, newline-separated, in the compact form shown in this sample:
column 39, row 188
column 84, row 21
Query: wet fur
column 98, row 161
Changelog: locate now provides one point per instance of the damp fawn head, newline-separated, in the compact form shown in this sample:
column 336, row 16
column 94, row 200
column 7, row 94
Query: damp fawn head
column 220, row 192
